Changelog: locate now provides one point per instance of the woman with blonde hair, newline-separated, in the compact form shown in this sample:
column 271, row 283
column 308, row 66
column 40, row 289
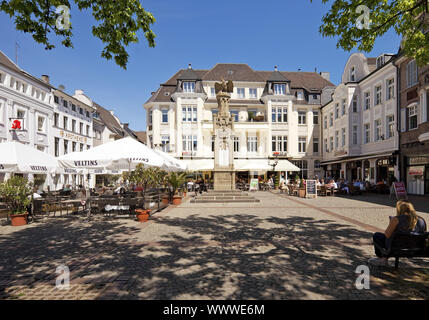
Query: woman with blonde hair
column 406, row 221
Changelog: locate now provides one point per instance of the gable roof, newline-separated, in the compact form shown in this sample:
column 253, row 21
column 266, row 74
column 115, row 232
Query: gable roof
column 231, row 71
column 109, row 120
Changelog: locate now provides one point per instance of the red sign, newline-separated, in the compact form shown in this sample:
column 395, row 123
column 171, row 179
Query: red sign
column 400, row 190
column 17, row 124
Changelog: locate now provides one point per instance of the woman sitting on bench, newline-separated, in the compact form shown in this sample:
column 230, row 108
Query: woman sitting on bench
column 406, row 220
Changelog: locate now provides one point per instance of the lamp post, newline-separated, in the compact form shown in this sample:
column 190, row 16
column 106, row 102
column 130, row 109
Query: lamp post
column 274, row 163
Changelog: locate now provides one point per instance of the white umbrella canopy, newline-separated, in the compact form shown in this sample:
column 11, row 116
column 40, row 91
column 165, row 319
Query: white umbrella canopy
column 16, row 157
column 177, row 165
column 122, row 154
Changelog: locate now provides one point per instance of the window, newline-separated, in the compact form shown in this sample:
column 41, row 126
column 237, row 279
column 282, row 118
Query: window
column 331, row 119
column 337, row 137
column 252, row 144
column 302, row 144
column 81, row 128
column 390, row 89
column 236, row 144
column 366, row 138
column 81, row 111
column 315, row 145
column 188, row 86
column 240, row 93
column 234, row 113
column 302, row 118
column 343, row 107
column 73, row 146
column 57, row 147
column 212, row 92
column 377, row 95
column 150, row 116
column 165, row 143
column 253, row 93
column 337, row 111
column 213, row 143
column 73, row 108
column 299, row 95
column 65, row 123
column 279, row 114
column 87, row 114
column 303, row 165
column 377, row 132
column 390, row 128
column 164, row 115
column 352, row 74
column 343, row 137
column 81, row 147
column 326, row 145
column 279, row 89
column 66, row 146
column 355, row 104
column 189, row 143
column 317, row 164
column 355, row 134
column 189, row 114
column 88, row 147
column 56, row 119
column 87, row 130
column 40, row 124
column 1, row 111
column 279, row 144
column 331, row 144
column 367, row 100
column 65, row 104
column 411, row 73
column 412, row 117
column 2, row 77
column 325, row 122
column 315, row 117
column 74, row 125
column 56, row 99
column 21, row 114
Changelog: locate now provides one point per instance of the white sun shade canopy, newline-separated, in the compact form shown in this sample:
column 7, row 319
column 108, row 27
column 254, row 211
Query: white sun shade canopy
column 16, row 157
column 285, row 165
column 259, row 165
column 122, row 154
column 176, row 164
column 200, row 165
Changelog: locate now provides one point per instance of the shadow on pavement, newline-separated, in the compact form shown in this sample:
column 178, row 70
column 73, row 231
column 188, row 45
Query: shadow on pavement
column 217, row 257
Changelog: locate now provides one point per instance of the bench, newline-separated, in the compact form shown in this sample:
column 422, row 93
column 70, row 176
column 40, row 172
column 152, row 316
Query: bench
column 406, row 245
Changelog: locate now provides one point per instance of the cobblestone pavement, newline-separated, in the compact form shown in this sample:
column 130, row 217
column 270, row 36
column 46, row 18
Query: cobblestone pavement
column 280, row 248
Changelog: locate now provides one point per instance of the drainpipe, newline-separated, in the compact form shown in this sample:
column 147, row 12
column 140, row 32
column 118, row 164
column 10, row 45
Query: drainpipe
column 398, row 124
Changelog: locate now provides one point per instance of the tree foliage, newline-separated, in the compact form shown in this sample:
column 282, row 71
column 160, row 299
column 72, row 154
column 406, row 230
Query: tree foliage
column 409, row 18
column 119, row 23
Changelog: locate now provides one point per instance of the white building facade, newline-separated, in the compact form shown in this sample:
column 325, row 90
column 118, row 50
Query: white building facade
column 28, row 100
column 360, row 133
column 277, row 116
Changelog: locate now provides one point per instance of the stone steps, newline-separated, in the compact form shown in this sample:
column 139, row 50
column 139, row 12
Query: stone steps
column 224, row 196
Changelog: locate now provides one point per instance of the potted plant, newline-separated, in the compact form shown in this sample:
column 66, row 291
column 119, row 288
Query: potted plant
column 250, row 115
column 16, row 193
column 301, row 189
column 176, row 181
column 142, row 214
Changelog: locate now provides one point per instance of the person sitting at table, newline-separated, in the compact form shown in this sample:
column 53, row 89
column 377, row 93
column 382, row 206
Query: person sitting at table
column 406, row 221
column 344, row 186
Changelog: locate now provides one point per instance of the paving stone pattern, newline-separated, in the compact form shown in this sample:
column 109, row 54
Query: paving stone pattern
column 279, row 248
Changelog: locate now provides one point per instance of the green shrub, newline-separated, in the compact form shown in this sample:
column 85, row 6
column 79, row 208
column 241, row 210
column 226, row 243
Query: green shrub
column 16, row 192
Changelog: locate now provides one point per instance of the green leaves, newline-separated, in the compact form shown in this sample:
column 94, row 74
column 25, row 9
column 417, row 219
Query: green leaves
column 119, row 23
column 15, row 193
column 408, row 18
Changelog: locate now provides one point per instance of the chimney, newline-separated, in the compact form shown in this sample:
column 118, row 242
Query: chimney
column 275, row 68
column 61, row 87
column 326, row 75
column 45, row 78
column 190, row 66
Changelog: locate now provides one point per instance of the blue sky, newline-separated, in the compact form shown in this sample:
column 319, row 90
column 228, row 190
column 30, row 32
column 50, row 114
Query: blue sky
column 261, row 34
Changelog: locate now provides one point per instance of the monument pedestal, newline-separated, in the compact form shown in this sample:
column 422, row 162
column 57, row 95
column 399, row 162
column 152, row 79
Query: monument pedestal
column 224, row 180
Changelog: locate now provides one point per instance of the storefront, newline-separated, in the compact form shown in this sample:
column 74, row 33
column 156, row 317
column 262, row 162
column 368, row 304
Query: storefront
column 417, row 174
column 332, row 170
column 385, row 169
column 354, row 170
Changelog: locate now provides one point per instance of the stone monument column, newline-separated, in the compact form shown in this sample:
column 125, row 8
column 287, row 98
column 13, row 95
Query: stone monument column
column 223, row 124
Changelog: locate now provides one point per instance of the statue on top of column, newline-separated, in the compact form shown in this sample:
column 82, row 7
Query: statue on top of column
column 223, row 90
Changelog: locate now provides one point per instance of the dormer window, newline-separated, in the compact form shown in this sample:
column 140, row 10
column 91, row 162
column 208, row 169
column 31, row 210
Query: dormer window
column 188, row 86
column 299, row 95
column 380, row 61
column 279, row 89
column 352, row 74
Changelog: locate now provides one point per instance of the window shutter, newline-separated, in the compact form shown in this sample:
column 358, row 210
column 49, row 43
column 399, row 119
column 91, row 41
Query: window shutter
column 407, row 119
column 403, row 119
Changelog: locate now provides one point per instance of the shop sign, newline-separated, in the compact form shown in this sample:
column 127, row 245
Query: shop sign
column 400, row 191
column 17, row 124
column 418, row 160
column 254, row 185
column 416, row 171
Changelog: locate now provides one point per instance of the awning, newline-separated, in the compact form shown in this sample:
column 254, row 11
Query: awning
column 285, row 165
column 383, row 155
column 424, row 137
column 200, row 165
column 259, row 165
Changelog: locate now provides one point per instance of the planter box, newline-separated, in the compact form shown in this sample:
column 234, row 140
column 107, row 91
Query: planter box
column 19, row 219
column 301, row 193
column 177, row 200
